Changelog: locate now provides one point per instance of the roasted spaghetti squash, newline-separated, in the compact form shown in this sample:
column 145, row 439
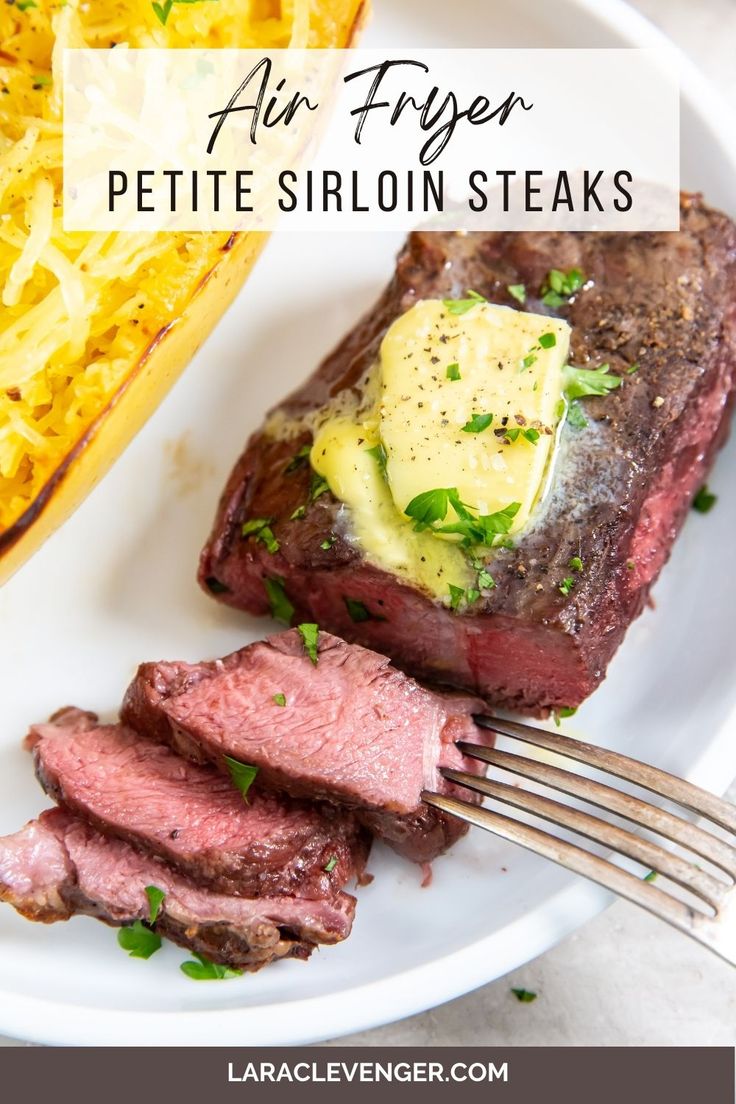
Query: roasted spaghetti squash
column 95, row 327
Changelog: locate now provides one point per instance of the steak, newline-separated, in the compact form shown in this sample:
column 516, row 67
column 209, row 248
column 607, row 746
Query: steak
column 353, row 729
column 58, row 866
column 622, row 486
column 194, row 817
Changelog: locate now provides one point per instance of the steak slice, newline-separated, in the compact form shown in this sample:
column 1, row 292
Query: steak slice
column 354, row 729
column 193, row 816
column 59, row 866
column 622, row 487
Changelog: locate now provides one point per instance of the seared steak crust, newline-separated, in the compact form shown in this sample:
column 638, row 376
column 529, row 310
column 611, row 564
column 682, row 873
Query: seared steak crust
column 58, row 867
column 193, row 816
column 665, row 302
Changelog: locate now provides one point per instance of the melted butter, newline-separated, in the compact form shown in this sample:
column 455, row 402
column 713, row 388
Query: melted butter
column 341, row 455
column 503, row 371
column 408, row 403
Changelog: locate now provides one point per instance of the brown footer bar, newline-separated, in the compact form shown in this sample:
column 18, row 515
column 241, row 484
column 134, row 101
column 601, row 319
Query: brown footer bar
column 523, row 1075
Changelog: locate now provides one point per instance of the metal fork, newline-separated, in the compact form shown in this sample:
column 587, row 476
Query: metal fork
column 709, row 915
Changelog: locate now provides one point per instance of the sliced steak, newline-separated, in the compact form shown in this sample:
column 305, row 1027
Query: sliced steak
column 354, row 729
column 193, row 816
column 664, row 301
column 59, row 866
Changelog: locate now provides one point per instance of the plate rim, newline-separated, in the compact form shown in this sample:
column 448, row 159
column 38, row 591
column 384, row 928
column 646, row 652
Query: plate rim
column 378, row 1003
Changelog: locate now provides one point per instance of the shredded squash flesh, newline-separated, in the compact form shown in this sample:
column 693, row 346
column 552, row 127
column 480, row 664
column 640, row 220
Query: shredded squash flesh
column 78, row 311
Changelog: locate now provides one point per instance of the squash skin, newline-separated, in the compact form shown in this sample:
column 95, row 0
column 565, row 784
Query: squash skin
column 143, row 389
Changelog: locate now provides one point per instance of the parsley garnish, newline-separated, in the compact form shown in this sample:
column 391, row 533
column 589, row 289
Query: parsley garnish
column 378, row 452
column 547, row 340
column 359, row 611
column 299, row 460
column 575, row 564
column 453, row 372
column 462, row 306
column 581, row 382
column 485, row 579
column 650, row 877
column 559, row 286
column 318, row 486
column 298, row 513
column 704, row 500
column 456, row 595
column 155, row 900
column 566, row 585
column 477, row 423
column 260, row 528
column 24, row 5
column 563, row 711
column 328, row 542
column 330, row 865
column 204, row 970
column 632, row 368
column 432, row 506
column 242, row 774
column 575, row 416
column 531, row 435
column 163, row 10
column 310, row 637
column 281, row 607
column 518, row 291
column 280, row 699
column 138, row 940
column 524, row 995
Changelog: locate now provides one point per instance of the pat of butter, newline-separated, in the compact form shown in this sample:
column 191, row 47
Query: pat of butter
column 341, row 455
column 502, row 370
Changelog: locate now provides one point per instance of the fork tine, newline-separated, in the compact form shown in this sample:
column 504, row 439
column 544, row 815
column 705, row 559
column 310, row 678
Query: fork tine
column 633, row 809
column 651, row 855
column 657, row 781
column 576, row 859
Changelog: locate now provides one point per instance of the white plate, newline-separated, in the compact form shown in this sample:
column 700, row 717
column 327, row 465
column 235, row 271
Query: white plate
column 116, row 586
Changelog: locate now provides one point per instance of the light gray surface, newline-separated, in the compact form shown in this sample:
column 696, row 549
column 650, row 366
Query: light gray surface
column 624, row 979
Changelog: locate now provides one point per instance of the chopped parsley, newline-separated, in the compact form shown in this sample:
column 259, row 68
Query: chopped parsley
column 547, row 340
column 575, row 564
column 704, row 500
column 462, row 306
column 318, row 486
column 310, row 638
column 525, row 996
column 280, row 699
column 559, row 286
column 260, row 528
column 138, row 940
column 359, row 611
column 528, row 360
column 204, row 970
column 432, row 506
column 485, row 579
column 456, row 595
column 575, row 416
column 378, row 452
column 566, row 585
column 562, row 712
column 650, row 877
column 632, row 368
column 518, row 291
column 43, row 80
column 298, row 513
column 531, row 435
column 330, row 865
column 163, row 11
column 580, row 382
column 24, row 5
column 328, row 542
column 299, row 460
column 453, row 372
column 281, row 607
column 214, row 585
column 477, row 423
column 155, row 901
column 242, row 774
